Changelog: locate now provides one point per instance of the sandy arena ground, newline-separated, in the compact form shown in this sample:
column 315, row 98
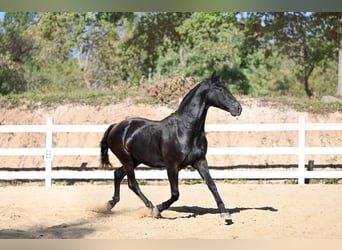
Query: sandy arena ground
column 260, row 211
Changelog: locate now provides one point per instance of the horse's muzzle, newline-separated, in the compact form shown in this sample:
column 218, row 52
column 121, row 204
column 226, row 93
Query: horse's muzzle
column 237, row 109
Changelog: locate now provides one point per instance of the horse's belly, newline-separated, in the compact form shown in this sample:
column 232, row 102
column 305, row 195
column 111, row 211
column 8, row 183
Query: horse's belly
column 146, row 151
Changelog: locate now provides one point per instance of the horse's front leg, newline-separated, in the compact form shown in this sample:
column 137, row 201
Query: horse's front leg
column 202, row 168
column 172, row 173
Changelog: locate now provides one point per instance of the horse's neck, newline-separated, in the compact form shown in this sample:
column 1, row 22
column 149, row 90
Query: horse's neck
column 192, row 112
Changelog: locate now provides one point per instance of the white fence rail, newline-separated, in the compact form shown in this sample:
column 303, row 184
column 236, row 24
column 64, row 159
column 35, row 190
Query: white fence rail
column 48, row 152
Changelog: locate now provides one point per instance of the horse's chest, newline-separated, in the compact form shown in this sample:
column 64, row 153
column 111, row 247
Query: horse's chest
column 193, row 151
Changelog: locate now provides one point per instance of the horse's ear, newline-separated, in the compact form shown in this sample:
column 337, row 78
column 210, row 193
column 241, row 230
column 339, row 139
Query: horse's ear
column 214, row 77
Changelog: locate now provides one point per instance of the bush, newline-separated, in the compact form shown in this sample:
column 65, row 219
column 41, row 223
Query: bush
column 164, row 90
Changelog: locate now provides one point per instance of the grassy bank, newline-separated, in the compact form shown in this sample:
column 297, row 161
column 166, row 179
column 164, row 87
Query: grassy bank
column 35, row 99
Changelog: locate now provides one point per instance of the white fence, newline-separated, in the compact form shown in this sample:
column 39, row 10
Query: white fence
column 48, row 152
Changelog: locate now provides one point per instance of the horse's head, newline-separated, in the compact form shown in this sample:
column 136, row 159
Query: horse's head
column 220, row 97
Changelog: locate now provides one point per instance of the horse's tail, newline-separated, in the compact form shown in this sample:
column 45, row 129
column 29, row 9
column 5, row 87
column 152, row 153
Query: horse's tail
column 105, row 163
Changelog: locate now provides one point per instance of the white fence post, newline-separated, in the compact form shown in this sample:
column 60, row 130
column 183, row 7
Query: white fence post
column 48, row 157
column 301, row 150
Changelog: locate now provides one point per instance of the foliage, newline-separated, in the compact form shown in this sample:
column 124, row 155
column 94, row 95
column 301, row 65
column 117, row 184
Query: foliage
column 271, row 76
column 15, row 51
column 324, row 79
column 146, row 41
column 257, row 54
column 63, row 76
column 310, row 40
column 82, row 37
column 209, row 42
column 10, row 72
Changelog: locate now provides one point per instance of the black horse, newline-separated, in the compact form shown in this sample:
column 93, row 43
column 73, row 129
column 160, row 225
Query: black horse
column 174, row 143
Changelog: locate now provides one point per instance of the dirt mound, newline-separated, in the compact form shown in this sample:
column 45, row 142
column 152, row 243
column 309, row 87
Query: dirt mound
column 254, row 111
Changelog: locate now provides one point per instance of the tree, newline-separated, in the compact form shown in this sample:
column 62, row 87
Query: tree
column 310, row 39
column 146, row 41
column 87, row 41
column 16, row 47
column 333, row 32
column 208, row 42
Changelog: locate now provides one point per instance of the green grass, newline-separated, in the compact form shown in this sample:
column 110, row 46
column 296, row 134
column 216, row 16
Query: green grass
column 331, row 181
column 304, row 104
column 35, row 99
column 235, row 181
column 291, row 181
column 101, row 182
column 193, row 181
column 142, row 182
column 32, row 100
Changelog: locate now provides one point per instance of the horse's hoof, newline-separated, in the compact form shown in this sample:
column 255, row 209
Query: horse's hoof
column 155, row 212
column 229, row 222
column 110, row 205
column 227, row 218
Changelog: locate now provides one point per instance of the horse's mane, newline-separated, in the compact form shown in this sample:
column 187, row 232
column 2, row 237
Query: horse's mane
column 189, row 95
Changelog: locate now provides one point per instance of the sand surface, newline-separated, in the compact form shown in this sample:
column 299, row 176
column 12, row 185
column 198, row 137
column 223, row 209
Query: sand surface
column 260, row 211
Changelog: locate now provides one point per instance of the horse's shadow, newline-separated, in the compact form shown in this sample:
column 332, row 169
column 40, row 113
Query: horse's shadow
column 194, row 211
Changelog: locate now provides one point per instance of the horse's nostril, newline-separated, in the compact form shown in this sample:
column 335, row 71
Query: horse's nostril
column 240, row 108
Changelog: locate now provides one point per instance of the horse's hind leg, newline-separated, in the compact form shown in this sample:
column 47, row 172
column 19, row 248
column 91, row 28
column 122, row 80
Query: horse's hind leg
column 134, row 186
column 119, row 174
